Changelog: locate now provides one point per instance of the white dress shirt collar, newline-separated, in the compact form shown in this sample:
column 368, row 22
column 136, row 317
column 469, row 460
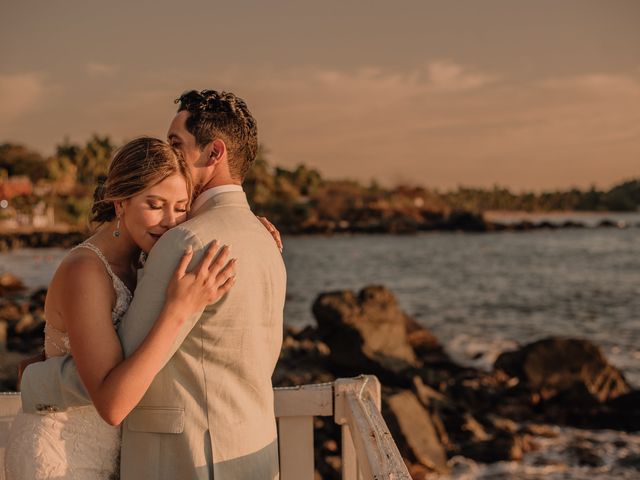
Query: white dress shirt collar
column 212, row 192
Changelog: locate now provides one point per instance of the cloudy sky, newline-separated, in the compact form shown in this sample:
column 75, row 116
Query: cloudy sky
column 526, row 94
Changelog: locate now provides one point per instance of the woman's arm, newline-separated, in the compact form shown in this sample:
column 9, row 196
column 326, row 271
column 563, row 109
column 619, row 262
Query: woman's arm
column 115, row 384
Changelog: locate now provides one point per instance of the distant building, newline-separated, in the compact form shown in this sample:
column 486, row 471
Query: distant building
column 42, row 215
column 15, row 186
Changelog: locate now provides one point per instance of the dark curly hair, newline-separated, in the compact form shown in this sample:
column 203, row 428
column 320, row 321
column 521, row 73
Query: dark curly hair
column 136, row 166
column 221, row 115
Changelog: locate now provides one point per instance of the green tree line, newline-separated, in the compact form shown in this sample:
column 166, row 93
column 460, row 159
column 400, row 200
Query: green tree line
column 300, row 195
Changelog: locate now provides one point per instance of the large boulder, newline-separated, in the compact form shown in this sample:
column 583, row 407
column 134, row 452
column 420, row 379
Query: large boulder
column 366, row 333
column 10, row 284
column 414, row 431
column 556, row 365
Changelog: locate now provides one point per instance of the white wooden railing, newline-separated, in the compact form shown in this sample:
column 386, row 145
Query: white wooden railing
column 368, row 449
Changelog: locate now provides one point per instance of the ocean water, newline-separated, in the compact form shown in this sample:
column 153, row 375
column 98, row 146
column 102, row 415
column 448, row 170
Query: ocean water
column 480, row 294
column 616, row 457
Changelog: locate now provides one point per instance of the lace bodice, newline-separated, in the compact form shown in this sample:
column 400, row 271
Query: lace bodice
column 56, row 342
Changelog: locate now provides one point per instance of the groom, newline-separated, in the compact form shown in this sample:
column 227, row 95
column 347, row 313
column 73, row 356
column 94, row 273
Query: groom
column 209, row 412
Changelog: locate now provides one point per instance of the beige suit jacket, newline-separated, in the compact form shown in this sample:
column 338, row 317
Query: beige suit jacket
column 209, row 412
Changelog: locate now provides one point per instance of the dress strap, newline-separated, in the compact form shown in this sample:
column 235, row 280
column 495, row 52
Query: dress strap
column 123, row 294
column 114, row 278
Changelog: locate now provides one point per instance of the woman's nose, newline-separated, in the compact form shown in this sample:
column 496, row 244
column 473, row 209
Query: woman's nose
column 169, row 218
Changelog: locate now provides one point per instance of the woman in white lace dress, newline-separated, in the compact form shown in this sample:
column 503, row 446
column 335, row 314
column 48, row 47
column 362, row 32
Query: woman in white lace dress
column 147, row 191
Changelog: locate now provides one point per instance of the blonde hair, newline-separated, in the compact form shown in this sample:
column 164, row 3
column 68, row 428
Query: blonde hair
column 136, row 166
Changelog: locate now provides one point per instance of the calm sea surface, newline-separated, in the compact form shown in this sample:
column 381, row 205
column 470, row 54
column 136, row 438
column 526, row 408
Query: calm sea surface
column 480, row 294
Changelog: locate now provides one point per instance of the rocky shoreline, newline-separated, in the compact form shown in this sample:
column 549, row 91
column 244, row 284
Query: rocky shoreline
column 436, row 409
column 456, row 221
column 60, row 238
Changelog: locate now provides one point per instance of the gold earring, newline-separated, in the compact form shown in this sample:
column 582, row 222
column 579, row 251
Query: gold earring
column 116, row 232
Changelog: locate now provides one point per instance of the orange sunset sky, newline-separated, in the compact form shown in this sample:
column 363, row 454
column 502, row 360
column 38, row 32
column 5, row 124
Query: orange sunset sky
column 535, row 95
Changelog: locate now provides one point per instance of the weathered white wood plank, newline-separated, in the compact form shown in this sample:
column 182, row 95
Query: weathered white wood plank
column 295, row 438
column 378, row 455
column 357, row 405
column 304, row 400
column 349, row 460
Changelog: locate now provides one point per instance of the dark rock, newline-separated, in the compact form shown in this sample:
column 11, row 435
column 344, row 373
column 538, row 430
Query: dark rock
column 621, row 413
column 631, row 461
column 628, row 402
column 365, row 333
column 566, row 382
column 553, row 365
column 479, row 391
column 26, row 335
column 466, row 221
column 11, row 312
column 303, row 360
column 547, row 225
column 41, row 239
column 10, row 284
column 428, row 396
column 572, row 224
column 503, row 424
column 607, row 224
column 9, row 369
column 475, row 430
column 37, row 299
column 504, row 446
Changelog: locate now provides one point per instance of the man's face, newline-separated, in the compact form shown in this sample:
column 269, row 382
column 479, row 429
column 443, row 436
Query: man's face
column 181, row 139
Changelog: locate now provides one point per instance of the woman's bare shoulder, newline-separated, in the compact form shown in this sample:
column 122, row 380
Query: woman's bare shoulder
column 80, row 278
column 80, row 268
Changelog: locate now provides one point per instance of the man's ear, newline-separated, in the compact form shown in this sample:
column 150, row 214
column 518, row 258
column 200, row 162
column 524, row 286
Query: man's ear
column 216, row 150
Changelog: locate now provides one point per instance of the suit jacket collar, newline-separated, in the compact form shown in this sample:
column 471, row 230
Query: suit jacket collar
column 226, row 199
column 212, row 192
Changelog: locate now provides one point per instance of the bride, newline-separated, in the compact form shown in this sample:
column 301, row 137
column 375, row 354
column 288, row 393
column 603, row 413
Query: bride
column 147, row 191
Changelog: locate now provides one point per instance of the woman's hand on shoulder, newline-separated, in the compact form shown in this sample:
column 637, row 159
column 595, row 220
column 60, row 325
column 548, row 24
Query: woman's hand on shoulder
column 208, row 282
column 273, row 231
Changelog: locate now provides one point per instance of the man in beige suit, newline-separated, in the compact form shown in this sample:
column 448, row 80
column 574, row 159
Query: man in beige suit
column 209, row 412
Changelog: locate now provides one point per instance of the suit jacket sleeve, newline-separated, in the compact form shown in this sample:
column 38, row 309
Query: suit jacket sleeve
column 52, row 385
column 150, row 293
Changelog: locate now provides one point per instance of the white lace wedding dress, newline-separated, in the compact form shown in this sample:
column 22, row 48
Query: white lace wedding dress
column 77, row 444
